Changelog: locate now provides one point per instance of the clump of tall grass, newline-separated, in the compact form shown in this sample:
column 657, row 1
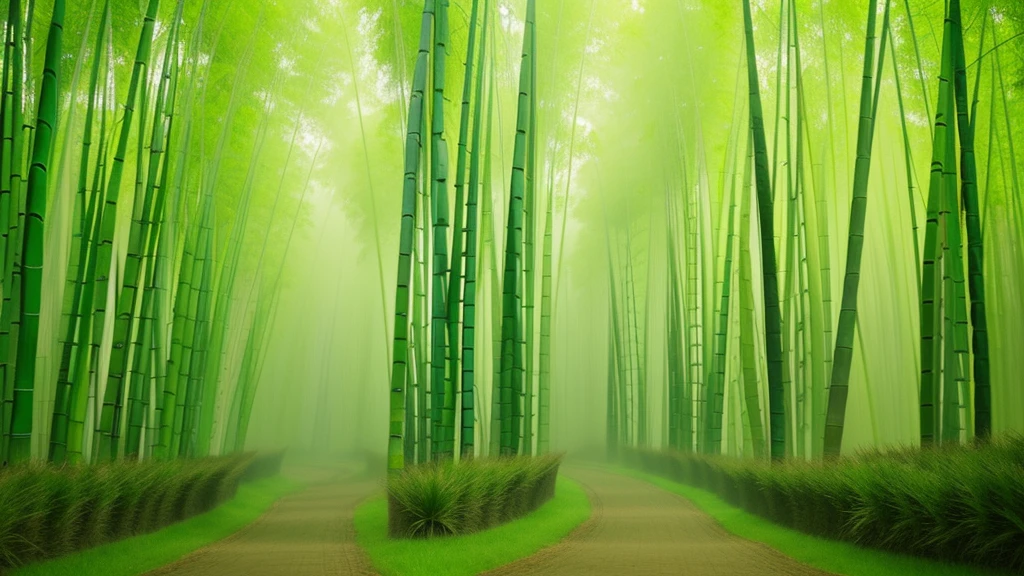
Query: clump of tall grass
column 961, row 504
column 48, row 511
column 442, row 499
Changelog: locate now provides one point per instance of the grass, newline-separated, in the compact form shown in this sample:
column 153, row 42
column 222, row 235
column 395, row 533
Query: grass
column 445, row 499
column 141, row 554
column 473, row 553
column 828, row 555
column 956, row 504
column 50, row 511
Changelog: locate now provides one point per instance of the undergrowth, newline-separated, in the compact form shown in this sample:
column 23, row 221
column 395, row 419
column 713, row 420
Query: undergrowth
column 441, row 499
column 48, row 511
column 960, row 504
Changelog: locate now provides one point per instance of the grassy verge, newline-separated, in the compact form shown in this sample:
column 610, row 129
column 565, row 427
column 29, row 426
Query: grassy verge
column 954, row 504
column 473, row 553
column 829, row 555
column 141, row 554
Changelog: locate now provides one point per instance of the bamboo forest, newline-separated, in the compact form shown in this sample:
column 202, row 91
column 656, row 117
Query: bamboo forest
column 516, row 287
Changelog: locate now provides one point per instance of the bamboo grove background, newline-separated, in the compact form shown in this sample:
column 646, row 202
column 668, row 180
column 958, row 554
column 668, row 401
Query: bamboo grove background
column 217, row 268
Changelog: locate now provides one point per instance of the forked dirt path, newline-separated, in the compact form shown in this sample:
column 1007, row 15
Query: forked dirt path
column 635, row 528
column 638, row 528
column 306, row 534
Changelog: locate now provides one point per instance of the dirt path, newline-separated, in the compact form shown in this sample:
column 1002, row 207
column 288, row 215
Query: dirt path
column 638, row 528
column 307, row 534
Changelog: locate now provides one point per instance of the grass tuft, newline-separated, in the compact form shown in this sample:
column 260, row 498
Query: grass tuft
column 445, row 499
column 472, row 553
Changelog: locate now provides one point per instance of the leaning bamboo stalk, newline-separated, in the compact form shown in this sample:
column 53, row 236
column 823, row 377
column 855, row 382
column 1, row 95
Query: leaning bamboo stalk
column 839, row 389
column 77, row 259
column 770, row 286
column 105, row 239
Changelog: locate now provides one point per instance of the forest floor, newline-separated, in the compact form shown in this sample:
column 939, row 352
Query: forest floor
column 634, row 528
column 307, row 534
column 638, row 528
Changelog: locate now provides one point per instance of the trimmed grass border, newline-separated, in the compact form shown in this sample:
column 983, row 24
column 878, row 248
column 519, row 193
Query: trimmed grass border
column 472, row 553
column 146, row 552
column 829, row 555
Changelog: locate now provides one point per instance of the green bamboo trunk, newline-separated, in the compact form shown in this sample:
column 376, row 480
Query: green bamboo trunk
column 843, row 358
column 975, row 237
column 143, row 361
column 530, row 263
column 418, row 330
column 611, row 399
column 243, row 395
column 770, row 283
column 20, row 448
column 201, row 334
column 105, row 430
column 413, row 151
column 440, row 379
column 954, row 308
column 931, row 277
column 172, row 389
column 183, row 381
column 544, row 382
column 748, row 357
column 616, row 378
column 82, row 361
column 512, row 362
column 716, row 392
column 468, row 415
column 10, row 202
column 81, row 244
column 226, row 278
column 491, row 252
column 815, row 270
column 455, row 280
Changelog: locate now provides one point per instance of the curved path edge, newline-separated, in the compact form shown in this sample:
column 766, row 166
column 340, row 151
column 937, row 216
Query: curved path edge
column 309, row 533
column 639, row 528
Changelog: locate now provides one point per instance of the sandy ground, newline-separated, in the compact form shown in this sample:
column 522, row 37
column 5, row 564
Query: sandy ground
column 306, row 534
column 635, row 528
column 638, row 528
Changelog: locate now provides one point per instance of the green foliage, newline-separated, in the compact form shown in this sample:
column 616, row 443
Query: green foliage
column 46, row 511
column 145, row 552
column 959, row 504
column 831, row 556
column 444, row 498
column 470, row 554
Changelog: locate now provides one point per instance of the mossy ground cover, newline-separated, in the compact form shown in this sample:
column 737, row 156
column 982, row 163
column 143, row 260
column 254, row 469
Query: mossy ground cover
column 473, row 553
column 141, row 554
column 829, row 555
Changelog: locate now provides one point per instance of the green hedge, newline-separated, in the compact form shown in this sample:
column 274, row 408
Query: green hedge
column 48, row 511
column 441, row 499
column 962, row 504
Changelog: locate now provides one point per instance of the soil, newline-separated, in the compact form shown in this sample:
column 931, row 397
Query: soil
column 306, row 534
column 638, row 528
column 635, row 528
